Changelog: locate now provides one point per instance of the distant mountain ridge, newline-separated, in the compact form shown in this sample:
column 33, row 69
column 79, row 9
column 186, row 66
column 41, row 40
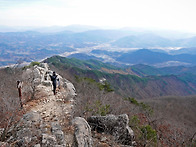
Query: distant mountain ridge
column 143, row 41
column 153, row 57
column 91, row 42
column 141, row 70
column 136, row 81
column 151, row 40
column 191, row 51
column 145, row 56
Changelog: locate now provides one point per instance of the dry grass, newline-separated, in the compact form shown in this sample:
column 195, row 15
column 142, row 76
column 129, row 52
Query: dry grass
column 9, row 93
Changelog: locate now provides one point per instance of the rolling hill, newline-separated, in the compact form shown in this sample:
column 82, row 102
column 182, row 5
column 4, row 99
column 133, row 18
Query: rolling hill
column 145, row 56
column 142, row 41
column 152, row 40
column 138, row 83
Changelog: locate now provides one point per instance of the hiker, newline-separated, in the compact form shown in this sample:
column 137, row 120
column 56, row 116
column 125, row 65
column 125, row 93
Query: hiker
column 53, row 79
column 19, row 86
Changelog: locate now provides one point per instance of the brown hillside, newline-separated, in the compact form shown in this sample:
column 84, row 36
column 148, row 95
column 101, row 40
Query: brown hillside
column 178, row 111
column 142, row 88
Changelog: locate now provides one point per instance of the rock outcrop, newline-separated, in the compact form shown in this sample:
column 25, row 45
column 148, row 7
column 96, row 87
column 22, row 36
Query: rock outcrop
column 114, row 125
column 37, row 78
column 48, row 119
column 82, row 133
column 47, row 122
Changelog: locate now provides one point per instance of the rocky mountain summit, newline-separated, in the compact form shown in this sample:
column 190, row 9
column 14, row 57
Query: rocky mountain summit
column 48, row 119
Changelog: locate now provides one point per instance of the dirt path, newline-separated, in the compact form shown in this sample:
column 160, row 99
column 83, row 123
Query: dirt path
column 47, row 120
column 56, row 114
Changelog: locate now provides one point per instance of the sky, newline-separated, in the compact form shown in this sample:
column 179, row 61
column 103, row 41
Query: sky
column 159, row 14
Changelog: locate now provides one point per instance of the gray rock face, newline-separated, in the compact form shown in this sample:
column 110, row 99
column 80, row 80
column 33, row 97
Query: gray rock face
column 71, row 88
column 48, row 140
column 30, row 130
column 82, row 134
column 39, row 75
column 44, row 65
column 27, row 131
column 32, row 116
column 114, row 125
column 56, row 130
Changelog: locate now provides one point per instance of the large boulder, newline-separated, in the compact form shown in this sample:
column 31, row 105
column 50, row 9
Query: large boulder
column 82, row 134
column 27, row 130
column 114, row 125
column 70, row 88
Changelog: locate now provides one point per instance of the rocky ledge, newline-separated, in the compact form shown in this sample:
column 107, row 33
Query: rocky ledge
column 48, row 120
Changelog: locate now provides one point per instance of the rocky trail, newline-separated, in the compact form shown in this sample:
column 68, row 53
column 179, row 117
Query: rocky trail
column 56, row 113
column 48, row 119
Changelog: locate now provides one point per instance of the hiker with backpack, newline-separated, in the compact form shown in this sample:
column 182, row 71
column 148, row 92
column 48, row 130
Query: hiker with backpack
column 53, row 79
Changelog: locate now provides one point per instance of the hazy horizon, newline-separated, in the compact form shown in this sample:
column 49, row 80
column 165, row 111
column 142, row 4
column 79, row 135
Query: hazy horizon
column 177, row 15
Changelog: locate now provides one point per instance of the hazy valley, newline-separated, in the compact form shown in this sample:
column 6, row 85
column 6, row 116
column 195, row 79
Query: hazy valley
column 115, row 46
